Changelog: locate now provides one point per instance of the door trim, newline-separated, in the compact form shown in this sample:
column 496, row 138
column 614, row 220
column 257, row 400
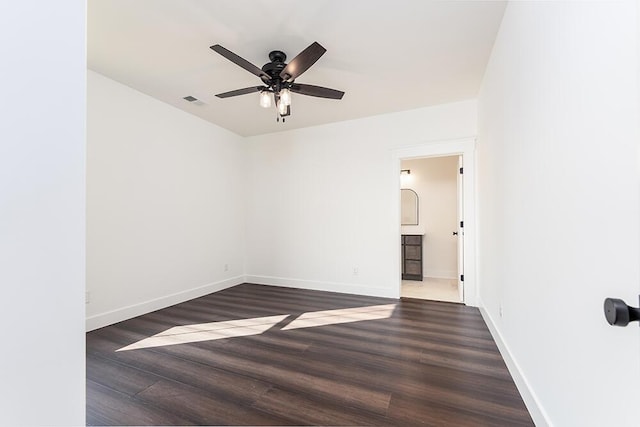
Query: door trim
column 466, row 148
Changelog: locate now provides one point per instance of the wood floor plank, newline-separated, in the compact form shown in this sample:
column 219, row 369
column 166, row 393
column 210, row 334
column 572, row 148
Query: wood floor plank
column 467, row 363
column 206, row 409
column 428, row 364
column 109, row 407
column 393, row 374
column 118, row 376
column 302, row 409
column 276, row 371
column 240, row 388
column 405, row 411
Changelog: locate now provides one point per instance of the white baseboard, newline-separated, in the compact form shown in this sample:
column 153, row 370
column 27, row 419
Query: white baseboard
column 538, row 414
column 128, row 312
column 345, row 288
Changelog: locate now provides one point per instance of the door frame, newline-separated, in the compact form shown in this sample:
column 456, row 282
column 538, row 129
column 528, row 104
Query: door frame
column 460, row 227
column 464, row 147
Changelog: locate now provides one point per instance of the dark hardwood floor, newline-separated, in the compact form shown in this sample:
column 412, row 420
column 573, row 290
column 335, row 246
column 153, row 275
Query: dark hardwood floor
column 428, row 364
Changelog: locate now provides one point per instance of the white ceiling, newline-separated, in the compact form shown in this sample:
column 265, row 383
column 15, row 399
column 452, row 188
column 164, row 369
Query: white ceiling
column 386, row 56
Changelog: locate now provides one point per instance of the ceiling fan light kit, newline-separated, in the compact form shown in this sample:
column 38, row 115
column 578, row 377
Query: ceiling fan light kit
column 285, row 96
column 278, row 78
column 265, row 99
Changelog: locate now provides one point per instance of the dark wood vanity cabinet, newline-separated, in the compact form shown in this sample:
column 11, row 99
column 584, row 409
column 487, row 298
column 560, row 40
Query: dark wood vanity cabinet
column 412, row 257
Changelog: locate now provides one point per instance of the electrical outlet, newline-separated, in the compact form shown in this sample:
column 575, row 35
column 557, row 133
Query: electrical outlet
column 226, row 267
column 355, row 271
column 87, row 297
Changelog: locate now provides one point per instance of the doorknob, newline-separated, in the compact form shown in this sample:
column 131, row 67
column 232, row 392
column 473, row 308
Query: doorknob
column 618, row 313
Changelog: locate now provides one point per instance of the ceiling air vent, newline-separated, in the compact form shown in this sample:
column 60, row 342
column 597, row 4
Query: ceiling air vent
column 194, row 100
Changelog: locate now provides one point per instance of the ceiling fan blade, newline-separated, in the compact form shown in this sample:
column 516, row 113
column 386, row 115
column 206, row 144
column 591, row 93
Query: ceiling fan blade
column 237, row 92
column 302, row 62
column 319, row 91
column 239, row 61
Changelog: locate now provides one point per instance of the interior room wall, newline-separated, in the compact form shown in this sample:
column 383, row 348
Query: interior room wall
column 42, row 213
column 320, row 212
column 165, row 204
column 435, row 180
column 558, row 205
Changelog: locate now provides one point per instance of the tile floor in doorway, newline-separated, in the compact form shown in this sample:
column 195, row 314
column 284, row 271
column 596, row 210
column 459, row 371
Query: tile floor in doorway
column 432, row 289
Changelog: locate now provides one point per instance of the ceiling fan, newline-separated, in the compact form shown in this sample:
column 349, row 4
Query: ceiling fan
column 278, row 78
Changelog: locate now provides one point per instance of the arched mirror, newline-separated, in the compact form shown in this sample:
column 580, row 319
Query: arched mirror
column 409, row 204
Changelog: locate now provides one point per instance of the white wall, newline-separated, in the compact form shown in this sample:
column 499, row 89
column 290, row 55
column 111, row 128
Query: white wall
column 435, row 181
column 558, row 205
column 165, row 204
column 42, row 219
column 319, row 200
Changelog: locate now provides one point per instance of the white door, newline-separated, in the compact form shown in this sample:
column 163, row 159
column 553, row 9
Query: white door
column 460, row 230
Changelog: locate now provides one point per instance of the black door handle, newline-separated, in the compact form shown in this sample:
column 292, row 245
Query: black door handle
column 455, row 233
column 618, row 313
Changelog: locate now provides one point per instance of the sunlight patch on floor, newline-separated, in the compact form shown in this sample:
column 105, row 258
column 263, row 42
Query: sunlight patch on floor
column 208, row 332
column 345, row 315
column 258, row 325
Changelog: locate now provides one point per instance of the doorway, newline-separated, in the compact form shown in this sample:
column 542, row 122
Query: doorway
column 464, row 149
column 431, row 236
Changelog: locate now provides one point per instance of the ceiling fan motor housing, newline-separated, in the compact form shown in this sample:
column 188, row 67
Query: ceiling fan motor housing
column 275, row 67
column 277, row 56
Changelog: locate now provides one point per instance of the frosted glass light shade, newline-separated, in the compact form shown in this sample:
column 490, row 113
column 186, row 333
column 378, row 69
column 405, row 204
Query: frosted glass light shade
column 285, row 96
column 265, row 99
column 282, row 108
